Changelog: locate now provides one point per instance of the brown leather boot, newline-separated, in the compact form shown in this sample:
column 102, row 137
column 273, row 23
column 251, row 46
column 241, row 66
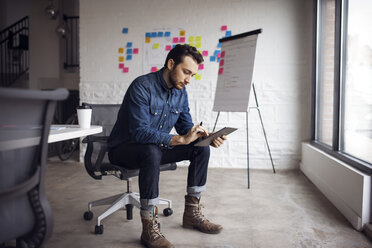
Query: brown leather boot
column 151, row 236
column 194, row 219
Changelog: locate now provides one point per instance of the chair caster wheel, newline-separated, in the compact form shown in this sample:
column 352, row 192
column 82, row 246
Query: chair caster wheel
column 88, row 215
column 167, row 211
column 98, row 229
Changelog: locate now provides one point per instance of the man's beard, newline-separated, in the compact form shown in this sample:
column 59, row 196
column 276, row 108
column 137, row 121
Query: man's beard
column 171, row 79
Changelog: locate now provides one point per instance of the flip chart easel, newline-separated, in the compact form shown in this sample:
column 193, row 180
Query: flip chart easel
column 235, row 80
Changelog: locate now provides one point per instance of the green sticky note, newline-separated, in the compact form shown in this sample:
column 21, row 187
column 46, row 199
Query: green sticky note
column 191, row 39
column 155, row 46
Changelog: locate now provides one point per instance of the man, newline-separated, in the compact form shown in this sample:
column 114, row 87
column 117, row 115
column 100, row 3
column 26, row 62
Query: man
column 152, row 106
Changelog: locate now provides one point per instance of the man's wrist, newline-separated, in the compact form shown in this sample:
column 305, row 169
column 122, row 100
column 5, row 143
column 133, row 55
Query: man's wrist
column 178, row 140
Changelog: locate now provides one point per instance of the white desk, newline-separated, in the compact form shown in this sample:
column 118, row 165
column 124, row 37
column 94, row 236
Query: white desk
column 30, row 136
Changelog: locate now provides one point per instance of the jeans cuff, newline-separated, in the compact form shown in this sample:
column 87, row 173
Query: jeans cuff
column 196, row 189
column 148, row 202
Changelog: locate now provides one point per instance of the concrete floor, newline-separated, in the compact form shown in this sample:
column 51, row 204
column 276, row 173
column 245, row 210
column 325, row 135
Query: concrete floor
column 280, row 210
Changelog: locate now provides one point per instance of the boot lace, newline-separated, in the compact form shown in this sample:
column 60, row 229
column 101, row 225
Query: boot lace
column 197, row 212
column 155, row 231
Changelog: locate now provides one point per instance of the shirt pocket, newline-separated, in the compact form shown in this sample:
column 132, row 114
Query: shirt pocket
column 174, row 114
column 155, row 115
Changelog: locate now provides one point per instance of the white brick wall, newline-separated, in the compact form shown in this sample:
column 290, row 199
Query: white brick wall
column 282, row 69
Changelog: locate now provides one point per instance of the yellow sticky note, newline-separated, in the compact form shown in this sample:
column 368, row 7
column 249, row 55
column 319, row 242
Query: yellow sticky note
column 148, row 39
column 182, row 33
column 121, row 59
column 198, row 77
column 198, row 45
column 155, row 46
column 191, row 39
column 198, row 38
column 121, row 50
column 192, row 44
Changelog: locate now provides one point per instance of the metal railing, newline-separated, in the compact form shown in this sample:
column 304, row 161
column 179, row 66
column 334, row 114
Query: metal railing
column 14, row 52
column 72, row 42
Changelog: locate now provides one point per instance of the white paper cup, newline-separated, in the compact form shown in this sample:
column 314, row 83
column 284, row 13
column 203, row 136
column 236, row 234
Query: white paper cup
column 84, row 117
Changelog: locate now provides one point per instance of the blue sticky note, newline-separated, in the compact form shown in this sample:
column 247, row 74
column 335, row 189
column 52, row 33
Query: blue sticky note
column 218, row 60
column 125, row 30
column 129, row 57
column 148, row 34
column 173, row 45
column 219, row 44
column 212, row 58
column 129, row 51
column 160, row 34
column 129, row 44
column 153, row 34
column 166, row 34
column 216, row 52
column 228, row 33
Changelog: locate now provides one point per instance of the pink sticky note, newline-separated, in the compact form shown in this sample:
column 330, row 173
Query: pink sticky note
column 121, row 65
column 182, row 39
column 224, row 28
column 222, row 62
column 220, row 71
column 175, row 40
column 218, row 55
column 135, row 50
column 153, row 69
column 222, row 54
column 201, row 67
column 126, row 69
column 205, row 53
column 168, row 47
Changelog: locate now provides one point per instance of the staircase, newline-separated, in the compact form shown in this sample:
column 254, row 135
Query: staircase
column 14, row 52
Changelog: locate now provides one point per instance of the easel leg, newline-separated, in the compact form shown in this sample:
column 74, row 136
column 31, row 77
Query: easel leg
column 263, row 128
column 246, row 119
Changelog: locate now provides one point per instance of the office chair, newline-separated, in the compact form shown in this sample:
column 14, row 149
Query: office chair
column 97, row 165
column 25, row 118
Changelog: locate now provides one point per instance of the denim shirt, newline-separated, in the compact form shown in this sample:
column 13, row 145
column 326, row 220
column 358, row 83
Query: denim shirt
column 149, row 111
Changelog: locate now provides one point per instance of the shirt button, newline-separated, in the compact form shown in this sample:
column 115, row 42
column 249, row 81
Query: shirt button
column 161, row 126
column 165, row 115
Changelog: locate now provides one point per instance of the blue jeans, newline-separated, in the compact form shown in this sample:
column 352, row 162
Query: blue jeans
column 148, row 158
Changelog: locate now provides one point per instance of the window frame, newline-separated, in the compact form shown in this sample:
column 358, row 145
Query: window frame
column 341, row 14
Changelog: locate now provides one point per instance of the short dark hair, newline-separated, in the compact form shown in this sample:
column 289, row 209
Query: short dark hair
column 180, row 51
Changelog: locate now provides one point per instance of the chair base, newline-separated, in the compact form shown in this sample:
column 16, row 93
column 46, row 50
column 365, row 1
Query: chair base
column 126, row 200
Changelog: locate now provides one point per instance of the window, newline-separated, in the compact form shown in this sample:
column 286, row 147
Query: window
column 342, row 111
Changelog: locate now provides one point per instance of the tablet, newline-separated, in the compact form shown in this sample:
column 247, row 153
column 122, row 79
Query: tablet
column 208, row 140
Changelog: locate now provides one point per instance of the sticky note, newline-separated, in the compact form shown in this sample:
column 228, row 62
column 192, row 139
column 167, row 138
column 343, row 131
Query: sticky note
column 212, row 58
column 222, row 62
column 129, row 51
column 182, row 33
column 167, row 34
column 153, row 35
column 129, row 44
column 160, row 34
column 124, row 30
column 129, row 57
column 121, row 65
column 223, row 54
column 197, row 76
column 173, row 46
column 148, row 34
column 153, row 69
column 198, row 38
column 121, row 59
column 135, row 50
column 201, row 67
column 175, row 39
column 121, row 50
column 182, row 39
column 219, row 45
column 126, row 69
column 192, row 44
column 191, row 39
column 220, row 71
column 148, row 40
column 223, row 28
column 218, row 55
column 218, row 60
column 198, row 45
column 228, row 33
column 205, row 53
column 168, row 47
column 155, row 46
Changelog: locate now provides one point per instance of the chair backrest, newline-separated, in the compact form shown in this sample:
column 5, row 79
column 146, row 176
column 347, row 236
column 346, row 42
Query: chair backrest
column 25, row 118
column 104, row 115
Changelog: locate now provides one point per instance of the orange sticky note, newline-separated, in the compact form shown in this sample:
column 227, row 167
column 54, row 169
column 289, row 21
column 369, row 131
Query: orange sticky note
column 148, row 39
column 182, row 33
column 121, row 59
column 121, row 50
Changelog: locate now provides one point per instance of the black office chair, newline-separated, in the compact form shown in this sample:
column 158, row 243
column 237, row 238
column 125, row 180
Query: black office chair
column 25, row 118
column 97, row 165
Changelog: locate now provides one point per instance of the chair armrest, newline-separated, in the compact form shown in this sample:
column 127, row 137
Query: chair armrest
column 92, row 138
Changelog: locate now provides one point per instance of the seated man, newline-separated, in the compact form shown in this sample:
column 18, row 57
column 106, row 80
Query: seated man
column 152, row 106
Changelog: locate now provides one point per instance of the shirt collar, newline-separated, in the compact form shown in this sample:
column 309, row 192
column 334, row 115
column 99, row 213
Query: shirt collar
column 162, row 80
